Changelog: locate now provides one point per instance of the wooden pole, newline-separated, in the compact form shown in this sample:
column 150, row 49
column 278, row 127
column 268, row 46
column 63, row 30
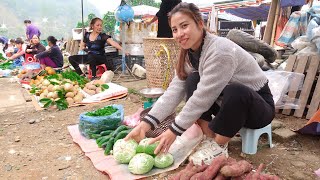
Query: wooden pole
column 275, row 23
column 271, row 16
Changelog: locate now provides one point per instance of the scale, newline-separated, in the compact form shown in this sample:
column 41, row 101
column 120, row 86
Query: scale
column 152, row 94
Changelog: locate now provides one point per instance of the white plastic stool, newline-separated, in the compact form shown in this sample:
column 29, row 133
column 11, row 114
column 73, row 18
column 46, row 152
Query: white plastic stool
column 250, row 138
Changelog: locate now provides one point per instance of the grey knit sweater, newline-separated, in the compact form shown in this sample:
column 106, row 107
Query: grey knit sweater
column 221, row 62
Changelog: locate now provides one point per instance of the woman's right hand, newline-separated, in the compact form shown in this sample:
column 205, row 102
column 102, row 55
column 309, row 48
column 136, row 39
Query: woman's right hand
column 139, row 132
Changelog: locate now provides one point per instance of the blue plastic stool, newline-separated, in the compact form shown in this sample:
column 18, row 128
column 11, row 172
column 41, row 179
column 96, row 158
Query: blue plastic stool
column 250, row 138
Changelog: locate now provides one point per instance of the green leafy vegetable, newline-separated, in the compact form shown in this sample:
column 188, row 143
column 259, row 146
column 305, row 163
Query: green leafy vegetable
column 7, row 65
column 34, row 89
column 141, row 163
column 123, row 151
column 105, row 111
column 104, row 87
column 46, row 102
column 163, row 160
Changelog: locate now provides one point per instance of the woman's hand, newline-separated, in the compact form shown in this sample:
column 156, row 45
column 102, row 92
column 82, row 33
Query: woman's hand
column 165, row 141
column 139, row 132
column 29, row 50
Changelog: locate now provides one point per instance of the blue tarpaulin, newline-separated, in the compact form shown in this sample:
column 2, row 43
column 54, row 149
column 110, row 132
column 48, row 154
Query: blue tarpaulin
column 252, row 13
column 261, row 12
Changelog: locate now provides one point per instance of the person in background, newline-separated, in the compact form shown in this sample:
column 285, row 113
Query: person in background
column 18, row 57
column 31, row 30
column 94, row 43
column 51, row 57
column 164, row 30
column 35, row 47
column 4, row 42
column 218, row 78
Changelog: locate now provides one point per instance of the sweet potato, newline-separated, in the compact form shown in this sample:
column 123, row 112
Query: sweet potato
column 189, row 171
column 213, row 169
column 237, row 169
column 220, row 177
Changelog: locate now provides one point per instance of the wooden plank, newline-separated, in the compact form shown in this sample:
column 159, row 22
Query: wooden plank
column 290, row 64
column 314, row 104
column 271, row 16
column 308, row 82
column 294, row 86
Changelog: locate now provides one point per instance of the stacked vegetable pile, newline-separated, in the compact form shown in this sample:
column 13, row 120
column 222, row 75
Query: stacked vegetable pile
column 106, row 139
column 95, row 87
column 223, row 168
column 140, row 157
column 60, row 90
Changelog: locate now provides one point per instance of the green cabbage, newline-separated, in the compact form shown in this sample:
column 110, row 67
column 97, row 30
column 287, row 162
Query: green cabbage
column 123, row 151
column 144, row 147
column 141, row 163
column 163, row 160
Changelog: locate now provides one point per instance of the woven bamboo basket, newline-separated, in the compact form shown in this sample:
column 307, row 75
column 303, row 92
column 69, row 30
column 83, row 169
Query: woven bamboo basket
column 163, row 126
column 161, row 56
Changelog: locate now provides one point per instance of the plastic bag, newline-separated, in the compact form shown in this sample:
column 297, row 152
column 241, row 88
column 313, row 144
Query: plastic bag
column 308, row 51
column 89, row 125
column 282, row 82
column 300, row 43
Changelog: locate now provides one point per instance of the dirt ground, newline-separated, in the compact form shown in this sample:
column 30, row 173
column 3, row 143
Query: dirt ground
column 37, row 145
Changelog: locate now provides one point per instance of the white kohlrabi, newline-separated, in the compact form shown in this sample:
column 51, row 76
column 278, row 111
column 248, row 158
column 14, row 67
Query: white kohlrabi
column 163, row 160
column 123, row 151
column 141, row 163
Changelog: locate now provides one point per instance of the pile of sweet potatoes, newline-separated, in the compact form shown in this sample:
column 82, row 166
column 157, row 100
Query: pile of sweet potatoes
column 223, row 168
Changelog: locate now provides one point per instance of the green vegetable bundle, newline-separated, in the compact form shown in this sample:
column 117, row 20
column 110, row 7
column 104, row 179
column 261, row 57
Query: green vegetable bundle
column 105, row 111
column 7, row 65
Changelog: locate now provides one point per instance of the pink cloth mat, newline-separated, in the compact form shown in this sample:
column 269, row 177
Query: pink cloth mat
column 180, row 150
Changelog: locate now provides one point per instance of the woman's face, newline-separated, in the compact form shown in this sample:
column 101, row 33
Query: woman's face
column 97, row 26
column 186, row 31
column 35, row 40
column 18, row 45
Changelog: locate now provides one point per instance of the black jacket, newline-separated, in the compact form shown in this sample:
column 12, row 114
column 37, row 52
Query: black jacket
column 166, row 6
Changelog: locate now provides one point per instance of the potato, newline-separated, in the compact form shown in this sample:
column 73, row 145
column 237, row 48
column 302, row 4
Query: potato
column 98, row 90
column 69, row 100
column 92, row 92
column 50, row 88
column 92, row 87
column 70, row 95
column 42, row 95
column 55, row 95
column 77, row 98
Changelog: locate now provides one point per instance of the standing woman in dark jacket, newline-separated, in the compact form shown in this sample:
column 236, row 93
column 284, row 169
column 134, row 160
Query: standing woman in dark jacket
column 51, row 57
column 164, row 29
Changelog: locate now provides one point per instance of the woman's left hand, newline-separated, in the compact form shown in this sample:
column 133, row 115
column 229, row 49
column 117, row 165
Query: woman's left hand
column 165, row 141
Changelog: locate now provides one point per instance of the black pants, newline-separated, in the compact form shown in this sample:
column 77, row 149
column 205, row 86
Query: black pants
column 92, row 59
column 240, row 107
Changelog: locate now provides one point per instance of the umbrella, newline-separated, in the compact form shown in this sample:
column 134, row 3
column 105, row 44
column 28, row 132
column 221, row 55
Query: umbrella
column 144, row 10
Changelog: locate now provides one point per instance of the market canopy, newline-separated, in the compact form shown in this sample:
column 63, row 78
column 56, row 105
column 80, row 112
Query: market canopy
column 144, row 10
column 249, row 9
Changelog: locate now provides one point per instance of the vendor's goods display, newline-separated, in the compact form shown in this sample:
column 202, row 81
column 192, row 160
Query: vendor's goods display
column 141, row 157
column 61, row 90
column 223, row 168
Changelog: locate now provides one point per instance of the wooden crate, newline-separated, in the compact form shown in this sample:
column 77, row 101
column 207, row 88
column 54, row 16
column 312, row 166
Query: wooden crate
column 309, row 95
